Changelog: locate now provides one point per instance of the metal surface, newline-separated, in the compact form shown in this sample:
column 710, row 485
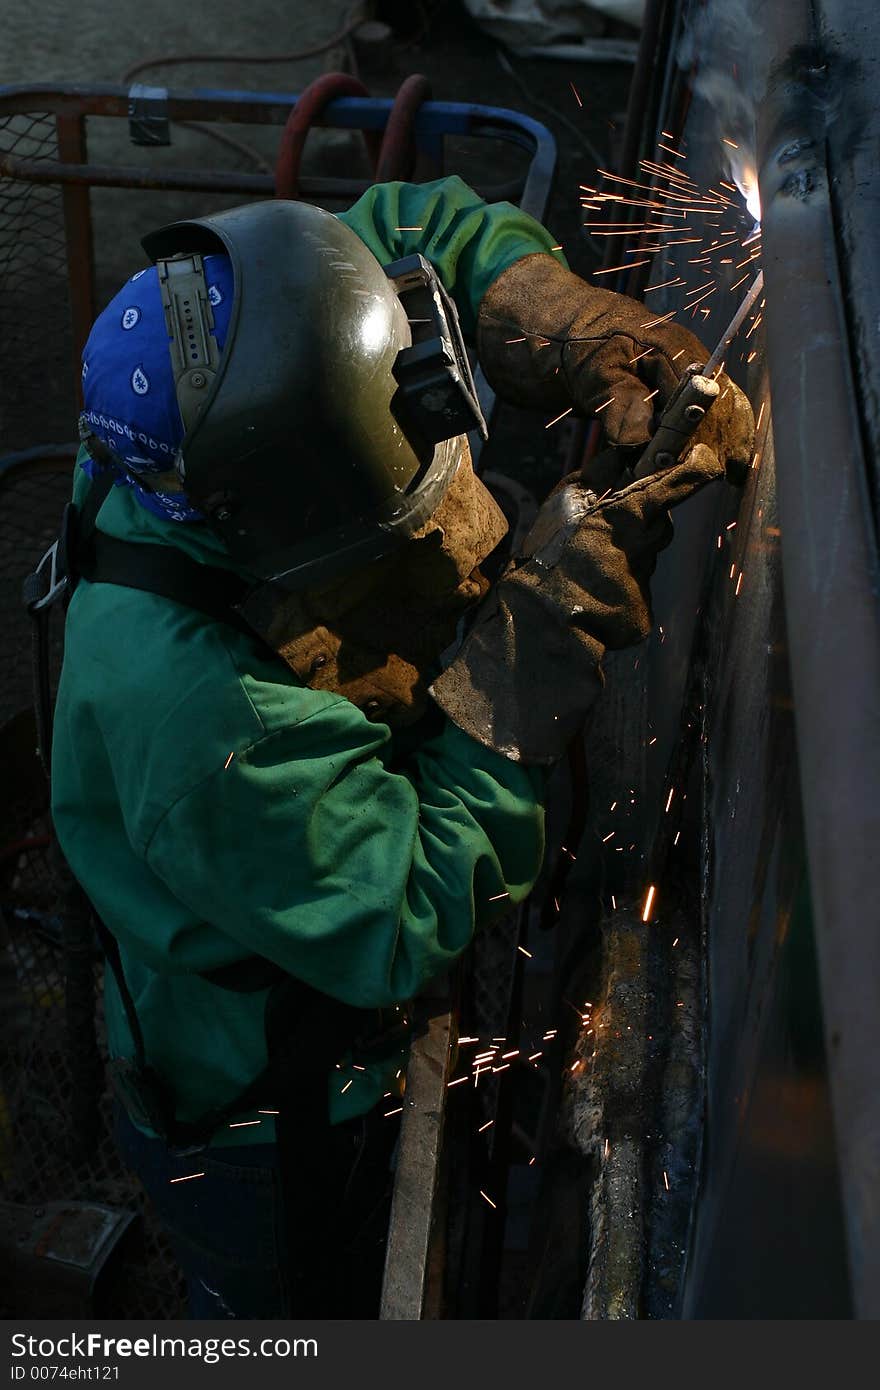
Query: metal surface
column 608, row 1116
column 738, row 752
column 852, row 137
column 768, row 1233
column 830, row 562
column 406, row 1295
column 767, row 1237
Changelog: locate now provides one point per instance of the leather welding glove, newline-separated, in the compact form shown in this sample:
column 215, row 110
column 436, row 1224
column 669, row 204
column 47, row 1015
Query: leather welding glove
column 547, row 340
column 529, row 669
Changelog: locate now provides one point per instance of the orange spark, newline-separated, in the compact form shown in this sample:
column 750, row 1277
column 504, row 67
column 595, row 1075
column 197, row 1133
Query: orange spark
column 630, row 266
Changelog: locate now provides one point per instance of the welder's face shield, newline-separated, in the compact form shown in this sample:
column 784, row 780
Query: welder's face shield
column 376, row 634
column 324, row 434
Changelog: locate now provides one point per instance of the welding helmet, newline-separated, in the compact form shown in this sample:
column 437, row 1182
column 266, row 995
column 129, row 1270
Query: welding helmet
column 329, row 428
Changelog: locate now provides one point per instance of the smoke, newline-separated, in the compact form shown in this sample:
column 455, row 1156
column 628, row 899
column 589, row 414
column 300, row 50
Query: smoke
column 725, row 50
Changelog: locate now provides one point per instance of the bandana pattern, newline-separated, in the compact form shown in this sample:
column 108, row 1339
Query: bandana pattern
column 128, row 385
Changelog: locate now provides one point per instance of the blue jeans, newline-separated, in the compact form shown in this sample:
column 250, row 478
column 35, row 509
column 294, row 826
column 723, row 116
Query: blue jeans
column 227, row 1229
column 231, row 1229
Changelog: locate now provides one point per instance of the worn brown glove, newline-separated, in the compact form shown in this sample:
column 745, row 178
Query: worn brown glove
column 376, row 633
column 547, row 340
column 528, row 671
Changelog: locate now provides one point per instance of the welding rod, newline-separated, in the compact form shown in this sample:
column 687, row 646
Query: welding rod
column 693, row 396
column 735, row 324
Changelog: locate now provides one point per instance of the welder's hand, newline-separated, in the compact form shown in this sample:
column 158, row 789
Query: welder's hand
column 548, row 339
column 530, row 668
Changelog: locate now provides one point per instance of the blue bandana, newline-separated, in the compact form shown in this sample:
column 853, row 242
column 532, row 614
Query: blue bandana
column 128, row 386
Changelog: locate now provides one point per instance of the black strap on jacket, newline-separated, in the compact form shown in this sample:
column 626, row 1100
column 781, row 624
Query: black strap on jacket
column 167, row 571
column 307, row 1032
column 50, row 583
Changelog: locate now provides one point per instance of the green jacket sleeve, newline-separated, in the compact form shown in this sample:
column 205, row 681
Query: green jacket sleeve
column 468, row 241
column 362, row 881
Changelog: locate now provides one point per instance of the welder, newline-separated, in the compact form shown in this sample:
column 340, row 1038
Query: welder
column 301, row 744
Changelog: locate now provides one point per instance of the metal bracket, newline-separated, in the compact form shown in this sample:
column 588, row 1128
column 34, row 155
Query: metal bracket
column 35, row 595
column 148, row 122
column 56, row 582
column 436, row 385
column 190, row 322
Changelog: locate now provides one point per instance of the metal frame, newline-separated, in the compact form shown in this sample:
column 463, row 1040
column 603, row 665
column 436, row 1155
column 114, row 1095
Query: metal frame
column 72, row 105
column 781, row 721
column 830, row 559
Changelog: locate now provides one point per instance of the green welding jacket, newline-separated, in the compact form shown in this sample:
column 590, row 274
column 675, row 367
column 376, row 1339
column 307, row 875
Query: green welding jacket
column 214, row 808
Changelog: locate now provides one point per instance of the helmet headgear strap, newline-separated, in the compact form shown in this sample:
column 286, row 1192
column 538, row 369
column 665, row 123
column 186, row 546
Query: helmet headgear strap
column 191, row 342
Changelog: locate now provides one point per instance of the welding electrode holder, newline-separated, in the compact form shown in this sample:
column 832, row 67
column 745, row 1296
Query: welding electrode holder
column 685, row 409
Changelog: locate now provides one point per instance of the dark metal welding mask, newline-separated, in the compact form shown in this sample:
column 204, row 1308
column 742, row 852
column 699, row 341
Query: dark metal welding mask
column 325, row 433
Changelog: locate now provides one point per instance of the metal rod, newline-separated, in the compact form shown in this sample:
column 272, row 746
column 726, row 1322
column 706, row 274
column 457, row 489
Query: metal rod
column 735, row 325
column 693, row 397
column 48, row 171
column 405, row 1292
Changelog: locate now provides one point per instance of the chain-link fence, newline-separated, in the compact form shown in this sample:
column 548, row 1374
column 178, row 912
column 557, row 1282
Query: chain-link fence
column 40, row 1160
column 35, row 346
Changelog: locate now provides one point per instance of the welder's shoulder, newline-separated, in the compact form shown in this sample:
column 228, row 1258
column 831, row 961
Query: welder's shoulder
column 155, row 675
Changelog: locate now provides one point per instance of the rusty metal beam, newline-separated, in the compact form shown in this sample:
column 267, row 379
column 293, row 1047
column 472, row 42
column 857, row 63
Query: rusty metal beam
column 47, row 171
column 76, row 175
column 407, row 1292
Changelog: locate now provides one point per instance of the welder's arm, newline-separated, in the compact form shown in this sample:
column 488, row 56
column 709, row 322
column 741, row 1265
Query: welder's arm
column 529, row 669
column 361, row 881
column 547, row 339
column 468, row 241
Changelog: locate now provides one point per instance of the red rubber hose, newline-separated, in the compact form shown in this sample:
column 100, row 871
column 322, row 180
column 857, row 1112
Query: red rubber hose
column 310, row 104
